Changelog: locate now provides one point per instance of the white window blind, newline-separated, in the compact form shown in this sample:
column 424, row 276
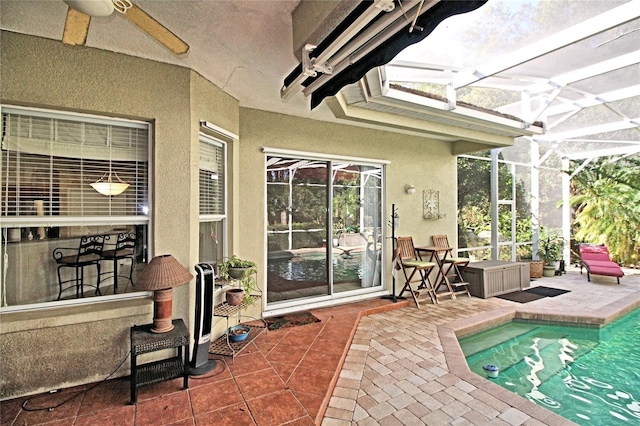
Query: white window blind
column 49, row 161
column 212, row 176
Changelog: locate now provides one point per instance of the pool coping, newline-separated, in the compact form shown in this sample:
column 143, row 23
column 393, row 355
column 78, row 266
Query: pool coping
column 457, row 364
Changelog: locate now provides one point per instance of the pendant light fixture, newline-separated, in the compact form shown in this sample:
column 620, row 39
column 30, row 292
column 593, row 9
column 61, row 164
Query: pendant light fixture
column 108, row 185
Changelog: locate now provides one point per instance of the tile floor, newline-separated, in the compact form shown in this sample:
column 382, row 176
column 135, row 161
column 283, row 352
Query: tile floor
column 367, row 363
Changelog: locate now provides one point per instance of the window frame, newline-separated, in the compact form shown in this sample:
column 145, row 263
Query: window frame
column 215, row 135
column 144, row 218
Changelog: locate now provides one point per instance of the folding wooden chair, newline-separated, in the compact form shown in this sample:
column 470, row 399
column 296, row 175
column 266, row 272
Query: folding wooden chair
column 452, row 267
column 415, row 269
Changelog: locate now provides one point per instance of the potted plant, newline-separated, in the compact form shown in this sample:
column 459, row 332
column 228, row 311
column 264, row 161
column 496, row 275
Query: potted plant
column 550, row 251
column 535, row 266
column 243, row 271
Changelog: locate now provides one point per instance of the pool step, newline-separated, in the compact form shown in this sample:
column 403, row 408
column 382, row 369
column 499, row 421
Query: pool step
column 496, row 336
column 517, row 372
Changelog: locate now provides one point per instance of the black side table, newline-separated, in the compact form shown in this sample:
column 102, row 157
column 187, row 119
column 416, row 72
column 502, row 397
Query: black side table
column 144, row 341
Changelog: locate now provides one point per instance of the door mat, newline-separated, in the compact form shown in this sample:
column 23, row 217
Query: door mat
column 520, row 296
column 532, row 294
column 291, row 320
column 547, row 291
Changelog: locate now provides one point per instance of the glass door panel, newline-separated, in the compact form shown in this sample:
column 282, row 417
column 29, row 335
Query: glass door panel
column 314, row 254
column 297, row 229
column 356, row 212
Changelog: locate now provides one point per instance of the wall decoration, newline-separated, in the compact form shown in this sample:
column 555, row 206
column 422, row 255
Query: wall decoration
column 431, row 204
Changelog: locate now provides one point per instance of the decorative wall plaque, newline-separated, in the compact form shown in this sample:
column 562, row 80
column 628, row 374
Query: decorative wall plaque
column 431, row 204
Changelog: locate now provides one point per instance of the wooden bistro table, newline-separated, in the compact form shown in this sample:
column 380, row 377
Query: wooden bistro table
column 439, row 255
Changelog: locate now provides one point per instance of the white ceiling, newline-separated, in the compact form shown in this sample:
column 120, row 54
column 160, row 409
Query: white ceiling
column 242, row 46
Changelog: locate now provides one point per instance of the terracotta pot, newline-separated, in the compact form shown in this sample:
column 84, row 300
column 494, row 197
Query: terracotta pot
column 234, row 296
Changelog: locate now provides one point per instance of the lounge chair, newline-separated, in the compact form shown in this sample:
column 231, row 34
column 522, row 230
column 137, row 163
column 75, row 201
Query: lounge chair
column 595, row 258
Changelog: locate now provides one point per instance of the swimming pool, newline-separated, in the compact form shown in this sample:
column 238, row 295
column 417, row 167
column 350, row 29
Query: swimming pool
column 588, row 375
column 313, row 267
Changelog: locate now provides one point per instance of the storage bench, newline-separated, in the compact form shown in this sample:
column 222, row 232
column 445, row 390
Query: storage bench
column 493, row 277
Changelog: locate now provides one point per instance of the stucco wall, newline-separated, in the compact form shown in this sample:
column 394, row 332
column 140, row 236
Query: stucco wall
column 427, row 164
column 48, row 74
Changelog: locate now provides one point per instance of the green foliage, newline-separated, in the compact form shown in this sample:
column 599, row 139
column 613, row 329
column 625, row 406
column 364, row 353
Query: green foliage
column 550, row 246
column 607, row 207
column 474, row 202
column 305, row 207
column 248, row 281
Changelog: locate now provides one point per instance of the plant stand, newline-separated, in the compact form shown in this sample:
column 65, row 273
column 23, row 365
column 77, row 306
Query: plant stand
column 222, row 345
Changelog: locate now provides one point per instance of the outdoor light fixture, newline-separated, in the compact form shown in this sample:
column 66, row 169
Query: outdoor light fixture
column 107, row 185
column 160, row 276
column 410, row 189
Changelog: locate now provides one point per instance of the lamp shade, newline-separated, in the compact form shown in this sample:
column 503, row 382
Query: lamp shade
column 163, row 272
column 107, row 185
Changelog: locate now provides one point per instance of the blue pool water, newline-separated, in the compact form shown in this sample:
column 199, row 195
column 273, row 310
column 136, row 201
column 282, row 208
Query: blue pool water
column 313, row 267
column 588, row 375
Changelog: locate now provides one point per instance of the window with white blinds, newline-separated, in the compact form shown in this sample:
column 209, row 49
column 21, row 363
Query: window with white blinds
column 212, row 176
column 49, row 161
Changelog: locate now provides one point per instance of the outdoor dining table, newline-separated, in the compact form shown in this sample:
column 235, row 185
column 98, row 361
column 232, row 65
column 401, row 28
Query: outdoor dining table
column 439, row 256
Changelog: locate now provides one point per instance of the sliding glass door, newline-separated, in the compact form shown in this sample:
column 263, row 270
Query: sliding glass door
column 311, row 253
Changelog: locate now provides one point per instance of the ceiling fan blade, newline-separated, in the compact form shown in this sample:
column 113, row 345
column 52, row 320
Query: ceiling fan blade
column 156, row 30
column 76, row 28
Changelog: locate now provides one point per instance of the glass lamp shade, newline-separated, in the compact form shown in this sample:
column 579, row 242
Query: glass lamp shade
column 108, row 186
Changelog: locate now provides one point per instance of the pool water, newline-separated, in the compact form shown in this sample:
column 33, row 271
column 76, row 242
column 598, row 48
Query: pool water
column 590, row 376
column 313, row 267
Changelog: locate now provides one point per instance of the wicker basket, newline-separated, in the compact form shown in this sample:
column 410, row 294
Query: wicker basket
column 535, row 268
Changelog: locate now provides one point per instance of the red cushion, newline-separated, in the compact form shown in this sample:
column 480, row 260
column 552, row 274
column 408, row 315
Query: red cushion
column 599, row 267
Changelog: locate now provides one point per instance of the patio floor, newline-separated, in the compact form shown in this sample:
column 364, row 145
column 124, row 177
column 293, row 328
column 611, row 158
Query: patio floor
column 367, row 363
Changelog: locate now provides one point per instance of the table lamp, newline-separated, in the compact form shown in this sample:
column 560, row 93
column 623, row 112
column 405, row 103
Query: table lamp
column 160, row 276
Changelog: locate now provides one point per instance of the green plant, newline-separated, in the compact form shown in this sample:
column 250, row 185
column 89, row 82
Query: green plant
column 550, row 247
column 248, row 279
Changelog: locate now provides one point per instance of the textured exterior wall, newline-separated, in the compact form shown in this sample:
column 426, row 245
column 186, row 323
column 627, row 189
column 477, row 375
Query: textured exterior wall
column 427, row 164
column 209, row 103
column 48, row 74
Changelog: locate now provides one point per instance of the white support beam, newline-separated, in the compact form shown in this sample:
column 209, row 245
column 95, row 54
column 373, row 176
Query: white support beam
column 547, row 154
column 592, row 130
column 580, row 167
column 603, row 22
column 623, row 150
column 559, row 82
column 547, row 100
column 566, row 212
column 596, row 99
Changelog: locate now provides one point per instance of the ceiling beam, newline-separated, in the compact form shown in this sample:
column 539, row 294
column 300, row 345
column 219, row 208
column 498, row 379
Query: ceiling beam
column 602, row 22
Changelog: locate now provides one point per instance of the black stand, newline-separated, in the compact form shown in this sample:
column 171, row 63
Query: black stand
column 394, row 217
column 201, row 364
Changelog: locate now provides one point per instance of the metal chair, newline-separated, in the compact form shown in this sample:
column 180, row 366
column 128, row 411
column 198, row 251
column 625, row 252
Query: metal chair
column 455, row 267
column 415, row 269
column 88, row 253
column 125, row 249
